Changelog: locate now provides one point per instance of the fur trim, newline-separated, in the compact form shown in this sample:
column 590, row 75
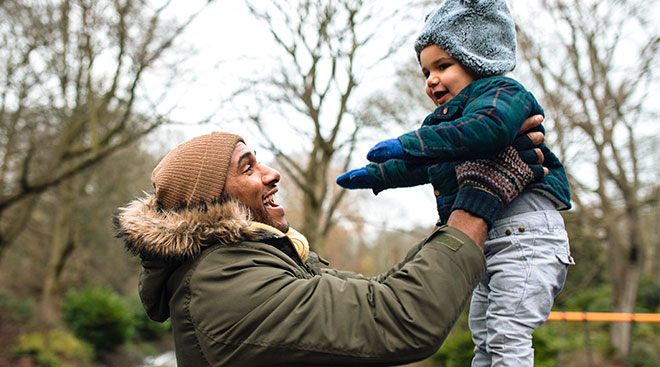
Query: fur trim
column 178, row 234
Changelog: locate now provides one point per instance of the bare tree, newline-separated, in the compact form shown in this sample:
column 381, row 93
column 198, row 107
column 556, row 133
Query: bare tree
column 596, row 74
column 327, row 46
column 72, row 92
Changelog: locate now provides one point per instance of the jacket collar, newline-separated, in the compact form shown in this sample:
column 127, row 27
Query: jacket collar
column 179, row 234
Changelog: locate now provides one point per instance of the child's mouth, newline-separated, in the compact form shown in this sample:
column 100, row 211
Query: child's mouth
column 439, row 97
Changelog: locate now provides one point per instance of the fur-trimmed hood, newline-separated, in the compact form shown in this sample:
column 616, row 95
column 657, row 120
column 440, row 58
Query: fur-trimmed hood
column 179, row 234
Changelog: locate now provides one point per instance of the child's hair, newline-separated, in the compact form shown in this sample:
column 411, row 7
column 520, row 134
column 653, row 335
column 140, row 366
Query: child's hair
column 479, row 34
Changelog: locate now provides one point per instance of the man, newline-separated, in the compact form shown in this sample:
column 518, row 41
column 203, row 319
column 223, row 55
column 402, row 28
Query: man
column 243, row 289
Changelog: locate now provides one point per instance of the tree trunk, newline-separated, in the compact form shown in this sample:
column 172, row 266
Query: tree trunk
column 11, row 226
column 62, row 246
column 626, row 271
column 311, row 223
column 313, row 200
column 624, row 301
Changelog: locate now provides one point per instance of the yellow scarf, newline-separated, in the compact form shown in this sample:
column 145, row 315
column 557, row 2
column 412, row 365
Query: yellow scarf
column 299, row 241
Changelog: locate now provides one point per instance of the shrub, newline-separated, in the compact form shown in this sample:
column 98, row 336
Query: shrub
column 457, row 350
column 546, row 345
column 30, row 345
column 97, row 316
column 642, row 356
column 597, row 299
column 648, row 295
column 54, row 349
column 68, row 347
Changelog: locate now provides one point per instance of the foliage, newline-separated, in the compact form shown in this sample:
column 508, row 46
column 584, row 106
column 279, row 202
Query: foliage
column 642, row 356
column 457, row 350
column 547, row 344
column 596, row 299
column 97, row 316
column 53, row 349
column 648, row 295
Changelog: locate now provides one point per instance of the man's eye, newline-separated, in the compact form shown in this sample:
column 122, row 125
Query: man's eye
column 247, row 169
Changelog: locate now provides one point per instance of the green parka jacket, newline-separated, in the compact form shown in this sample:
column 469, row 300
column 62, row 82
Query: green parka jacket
column 238, row 296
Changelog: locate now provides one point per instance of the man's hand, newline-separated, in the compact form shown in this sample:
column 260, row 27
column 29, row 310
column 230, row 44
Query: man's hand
column 532, row 124
column 473, row 226
column 531, row 135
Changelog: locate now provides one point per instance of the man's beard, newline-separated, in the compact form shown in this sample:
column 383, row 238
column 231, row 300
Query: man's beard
column 261, row 215
column 258, row 214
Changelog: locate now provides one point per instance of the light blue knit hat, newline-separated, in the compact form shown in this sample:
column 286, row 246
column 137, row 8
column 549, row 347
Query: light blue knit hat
column 479, row 34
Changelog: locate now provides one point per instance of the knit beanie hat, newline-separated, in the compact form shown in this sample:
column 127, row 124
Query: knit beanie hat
column 195, row 171
column 479, row 34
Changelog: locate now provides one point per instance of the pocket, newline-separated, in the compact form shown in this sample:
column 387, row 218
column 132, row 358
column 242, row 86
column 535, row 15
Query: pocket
column 564, row 256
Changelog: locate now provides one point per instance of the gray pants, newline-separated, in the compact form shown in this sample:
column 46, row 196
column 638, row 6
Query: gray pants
column 527, row 257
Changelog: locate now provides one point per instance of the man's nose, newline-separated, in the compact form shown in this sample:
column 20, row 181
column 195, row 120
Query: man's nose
column 270, row 175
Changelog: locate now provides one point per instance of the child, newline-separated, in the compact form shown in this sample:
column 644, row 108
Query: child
column 464, row 49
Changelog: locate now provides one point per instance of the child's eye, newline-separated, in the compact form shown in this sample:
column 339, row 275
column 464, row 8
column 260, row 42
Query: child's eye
column 444, row 66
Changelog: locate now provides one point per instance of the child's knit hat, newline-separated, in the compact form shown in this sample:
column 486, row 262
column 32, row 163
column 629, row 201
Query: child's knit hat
column 195, row 171
column 479, row 34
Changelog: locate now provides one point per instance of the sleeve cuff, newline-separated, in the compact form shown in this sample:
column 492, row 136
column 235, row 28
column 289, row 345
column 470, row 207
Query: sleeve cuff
column 479, row 203
column 376, row 178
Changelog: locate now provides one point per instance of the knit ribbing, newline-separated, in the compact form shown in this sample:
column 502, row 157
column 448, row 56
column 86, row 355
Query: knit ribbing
column 195, row 171
column 486, row 185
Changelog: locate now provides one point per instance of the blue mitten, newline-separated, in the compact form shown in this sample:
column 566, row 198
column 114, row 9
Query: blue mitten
column 386, row 150
column 355, row 179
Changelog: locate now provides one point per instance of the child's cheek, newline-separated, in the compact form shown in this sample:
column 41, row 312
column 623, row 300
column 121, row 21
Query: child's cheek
column 428, row 94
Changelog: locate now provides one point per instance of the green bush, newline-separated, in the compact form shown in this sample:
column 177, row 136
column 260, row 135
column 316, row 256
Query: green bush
column 143, row 327
column 642, row 356
column 597, row 299
column 54, row 349
column 648, row 295
column 97, row 316
column 547, row 345
column 68, row 347
column 31, row 345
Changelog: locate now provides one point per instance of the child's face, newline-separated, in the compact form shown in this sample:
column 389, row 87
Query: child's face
column 445, row 77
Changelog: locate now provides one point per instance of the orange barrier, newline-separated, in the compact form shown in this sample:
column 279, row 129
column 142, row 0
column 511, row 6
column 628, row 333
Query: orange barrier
column 604, row 316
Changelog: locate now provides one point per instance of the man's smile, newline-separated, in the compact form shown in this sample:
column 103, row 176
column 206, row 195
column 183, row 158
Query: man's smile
column 269, row 199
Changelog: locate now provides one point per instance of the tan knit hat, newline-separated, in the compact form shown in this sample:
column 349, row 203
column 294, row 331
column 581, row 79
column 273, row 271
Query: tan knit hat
column 194, row 171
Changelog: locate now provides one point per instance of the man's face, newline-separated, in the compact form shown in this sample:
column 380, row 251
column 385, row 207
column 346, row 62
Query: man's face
column 255, row 185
